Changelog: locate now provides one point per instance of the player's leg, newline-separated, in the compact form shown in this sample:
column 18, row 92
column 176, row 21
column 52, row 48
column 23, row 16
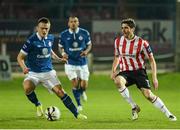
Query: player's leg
column 158, row 103
column 76, row 92
column 58, row 90
column 120, row 82
column 52, row 83
column 71, row 72
column 84, row 77
column 82, row 89
column 143, row 84
column 29, row 87
column 65, row 99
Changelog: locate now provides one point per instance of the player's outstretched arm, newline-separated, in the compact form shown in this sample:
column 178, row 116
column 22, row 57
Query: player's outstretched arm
column 20, row 59
column 63, row 53
column 56, row 57
column 114, row 67
column 154, row 71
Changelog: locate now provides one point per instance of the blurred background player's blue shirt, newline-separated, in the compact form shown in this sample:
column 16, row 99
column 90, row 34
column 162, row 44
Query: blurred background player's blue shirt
column 38, row 53
column 74, row 43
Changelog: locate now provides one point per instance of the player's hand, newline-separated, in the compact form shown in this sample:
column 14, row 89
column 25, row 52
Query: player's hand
column 155, row 83
column 83, row 53
column 64, row 56
column 64, row 60
column 26, row 70
column 113, row 75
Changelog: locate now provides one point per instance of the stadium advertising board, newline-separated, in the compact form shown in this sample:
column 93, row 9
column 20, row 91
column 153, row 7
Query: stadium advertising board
column 15, row 33
column 158, row 33
column 5, row 68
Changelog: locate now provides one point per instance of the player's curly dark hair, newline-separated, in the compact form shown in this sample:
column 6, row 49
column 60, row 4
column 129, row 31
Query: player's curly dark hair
column 130, row 22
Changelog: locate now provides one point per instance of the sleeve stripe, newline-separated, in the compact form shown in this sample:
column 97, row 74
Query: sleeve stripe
column 89, row 43
column 116, row 47
column 60, row 45
column 22, row 51
column 146, row 44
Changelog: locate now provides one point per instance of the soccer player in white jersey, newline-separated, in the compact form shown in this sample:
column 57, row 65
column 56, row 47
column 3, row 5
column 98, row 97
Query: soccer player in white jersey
column 35, row 61
column 129, row 55
column 74, row 45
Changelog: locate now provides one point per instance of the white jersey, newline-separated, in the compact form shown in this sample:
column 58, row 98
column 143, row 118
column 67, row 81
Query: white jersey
column 132, row 53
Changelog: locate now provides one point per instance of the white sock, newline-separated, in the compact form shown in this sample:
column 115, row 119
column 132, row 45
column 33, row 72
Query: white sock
column 160, row 105
column 125, row 94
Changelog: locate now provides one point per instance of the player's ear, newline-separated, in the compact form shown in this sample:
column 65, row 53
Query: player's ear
column 77, row 21
column 49, row 26
column 36, row 28
column 68, row 24
column 133, row 29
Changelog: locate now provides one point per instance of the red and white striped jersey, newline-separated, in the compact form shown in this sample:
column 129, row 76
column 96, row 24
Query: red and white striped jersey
column 131, row 53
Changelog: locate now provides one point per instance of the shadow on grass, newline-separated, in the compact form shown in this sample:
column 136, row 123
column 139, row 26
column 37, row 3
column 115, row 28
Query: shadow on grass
column 21, row 119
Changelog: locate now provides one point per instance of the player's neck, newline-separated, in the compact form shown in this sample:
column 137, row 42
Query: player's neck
column 73, row 30
column 131, row 36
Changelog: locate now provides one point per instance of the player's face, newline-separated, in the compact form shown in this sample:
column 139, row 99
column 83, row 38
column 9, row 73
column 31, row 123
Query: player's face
column 73, row 23
column 43, row 29
column 127, row 31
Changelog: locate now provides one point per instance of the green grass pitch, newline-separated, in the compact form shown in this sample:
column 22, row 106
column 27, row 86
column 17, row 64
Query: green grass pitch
column 105, row 108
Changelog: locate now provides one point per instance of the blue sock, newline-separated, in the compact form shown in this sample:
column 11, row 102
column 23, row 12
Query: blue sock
column 77, row 95
column 69, row 104
column 33, row 98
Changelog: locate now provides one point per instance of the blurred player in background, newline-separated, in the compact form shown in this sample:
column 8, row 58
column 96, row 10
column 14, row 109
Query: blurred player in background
column 130, row 52
column 74, row 45
column 37, row 51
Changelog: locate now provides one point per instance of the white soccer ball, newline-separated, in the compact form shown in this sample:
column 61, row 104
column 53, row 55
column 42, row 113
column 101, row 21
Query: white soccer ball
column 52, row 113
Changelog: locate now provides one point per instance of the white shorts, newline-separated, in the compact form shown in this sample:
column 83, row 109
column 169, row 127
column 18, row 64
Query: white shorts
column 73, row 71
column 48, row 79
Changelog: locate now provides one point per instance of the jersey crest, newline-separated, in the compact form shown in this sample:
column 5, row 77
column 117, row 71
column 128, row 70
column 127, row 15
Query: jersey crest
column 80, row 38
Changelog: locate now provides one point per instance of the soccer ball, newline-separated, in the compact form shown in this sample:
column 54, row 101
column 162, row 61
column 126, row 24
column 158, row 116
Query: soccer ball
column 52, row 113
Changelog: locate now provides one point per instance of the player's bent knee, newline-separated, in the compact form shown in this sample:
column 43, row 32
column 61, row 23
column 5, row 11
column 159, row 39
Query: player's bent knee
column 59, row 91
column 84, row 84
column 149, row 95
column 74, row 83
column 28, row 91
column 120, row 81
column 28, row 87
column 117, row 83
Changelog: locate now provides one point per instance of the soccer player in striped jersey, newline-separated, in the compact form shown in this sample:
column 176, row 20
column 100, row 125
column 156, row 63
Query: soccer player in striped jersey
column 129, row 54
column 74, row 45
column 35, row 61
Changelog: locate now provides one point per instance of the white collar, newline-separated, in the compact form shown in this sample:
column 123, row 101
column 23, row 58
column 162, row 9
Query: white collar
column 39, row 37
column 71, row 32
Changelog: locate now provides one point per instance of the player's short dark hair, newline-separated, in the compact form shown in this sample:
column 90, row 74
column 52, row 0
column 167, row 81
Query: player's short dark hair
column 43, row 20
column 73, row 16
column 130, row 22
